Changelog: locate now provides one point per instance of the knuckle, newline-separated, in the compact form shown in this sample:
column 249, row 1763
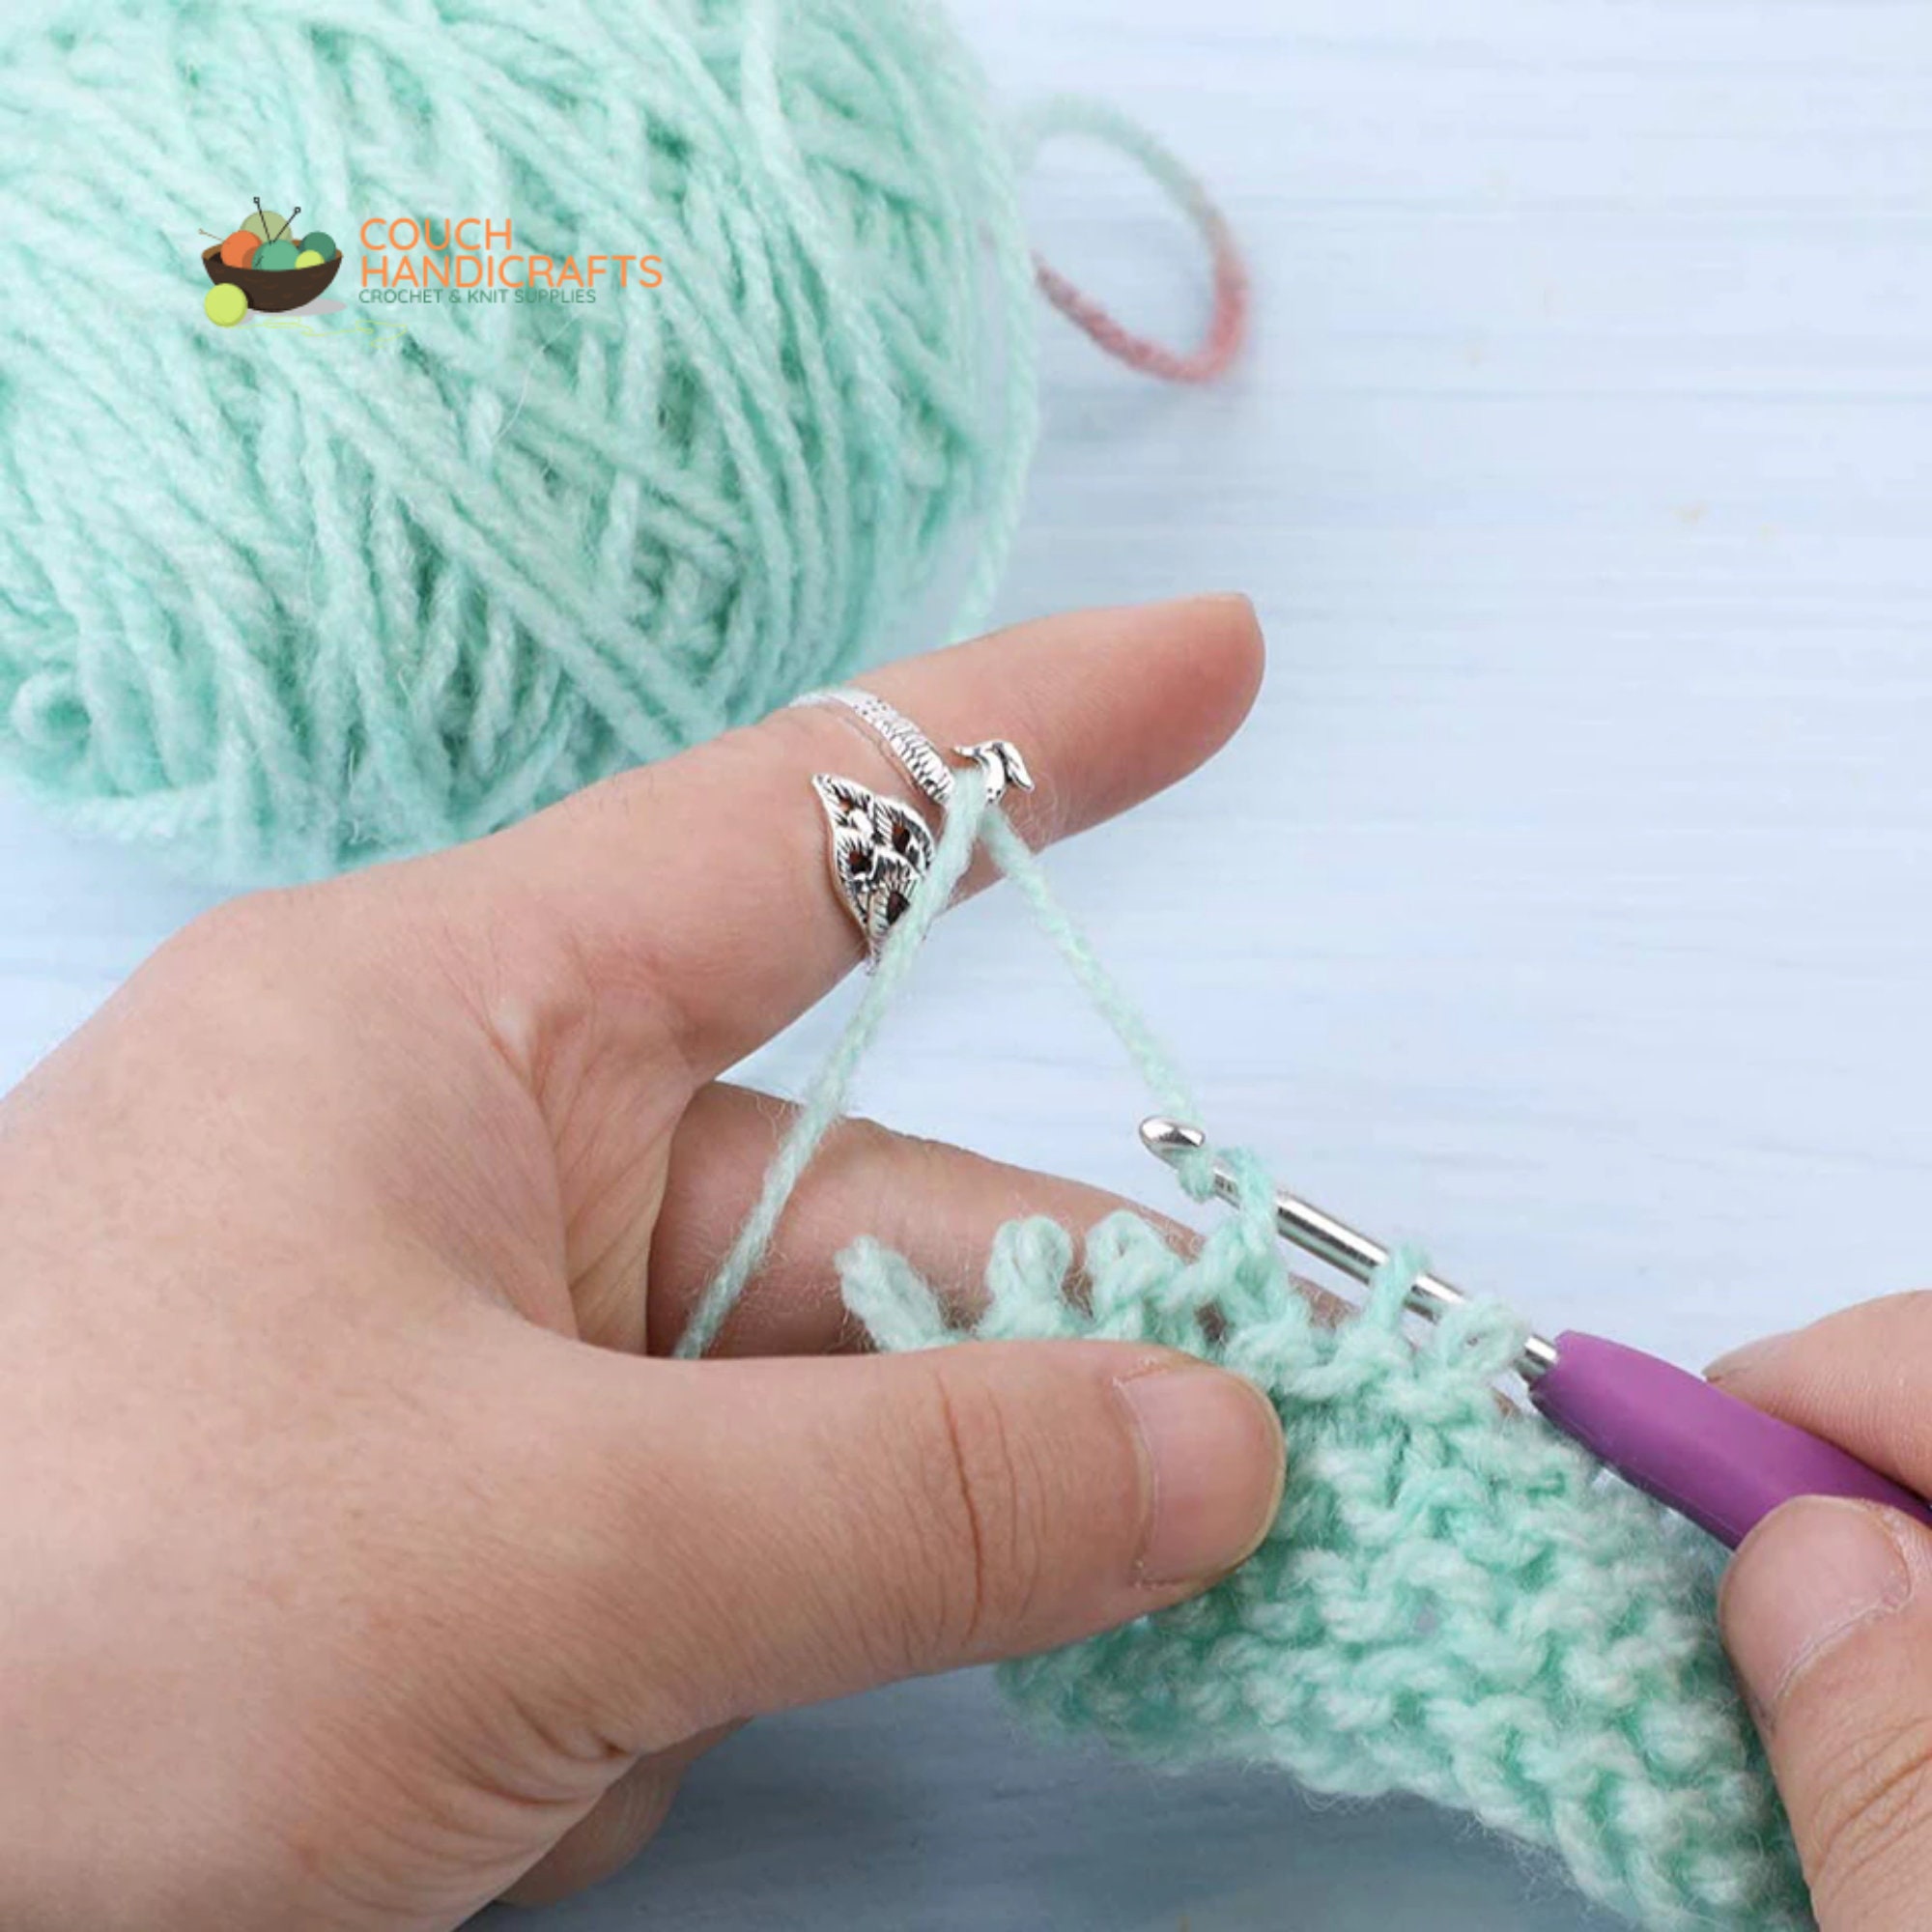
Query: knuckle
column 978, row 1511
column 1874, row 1807
column 861, row 1146
column 229, row 934
column 347, row 943
column 222, row 972
column 882, row 1171
column 301, row 936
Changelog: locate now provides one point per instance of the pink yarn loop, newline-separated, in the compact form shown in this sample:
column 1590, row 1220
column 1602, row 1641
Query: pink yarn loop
column 1228, row 328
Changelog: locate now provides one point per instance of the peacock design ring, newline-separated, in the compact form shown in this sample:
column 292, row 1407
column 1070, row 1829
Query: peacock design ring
column 881, row 849
column 880, row 852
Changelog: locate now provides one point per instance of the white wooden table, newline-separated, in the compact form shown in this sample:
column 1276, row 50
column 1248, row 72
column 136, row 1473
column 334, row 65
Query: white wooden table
column 1569, row 902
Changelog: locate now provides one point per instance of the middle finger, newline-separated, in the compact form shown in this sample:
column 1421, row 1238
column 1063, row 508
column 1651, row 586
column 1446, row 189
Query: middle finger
column 938, row 1206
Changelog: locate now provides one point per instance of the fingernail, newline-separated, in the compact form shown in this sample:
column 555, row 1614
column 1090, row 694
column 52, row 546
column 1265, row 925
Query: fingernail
column 1214, row 1457
column 1803, row 1580
column 1751, row 1355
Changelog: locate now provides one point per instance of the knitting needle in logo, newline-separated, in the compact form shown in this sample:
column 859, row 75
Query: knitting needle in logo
column 263, row 267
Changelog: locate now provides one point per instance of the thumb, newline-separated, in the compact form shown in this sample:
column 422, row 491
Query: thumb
column 790, row 1530
column 1828, row 1615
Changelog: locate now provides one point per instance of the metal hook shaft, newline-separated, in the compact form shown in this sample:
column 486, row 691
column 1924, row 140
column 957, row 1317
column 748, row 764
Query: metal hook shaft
column 1319, row 1234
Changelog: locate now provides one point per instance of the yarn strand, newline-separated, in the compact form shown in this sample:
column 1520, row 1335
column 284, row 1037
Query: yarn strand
column 970, row 821
column 824, row 1100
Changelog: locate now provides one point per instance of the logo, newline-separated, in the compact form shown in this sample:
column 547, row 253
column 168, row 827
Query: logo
column 272, row 271
column 475, row 258
column 268, row 266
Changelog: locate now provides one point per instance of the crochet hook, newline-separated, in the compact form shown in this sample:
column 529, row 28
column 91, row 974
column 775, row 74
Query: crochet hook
column 1703, row 1453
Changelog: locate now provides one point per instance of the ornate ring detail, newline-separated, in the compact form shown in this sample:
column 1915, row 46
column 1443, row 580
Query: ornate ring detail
column 881, row 849
column 880, row 852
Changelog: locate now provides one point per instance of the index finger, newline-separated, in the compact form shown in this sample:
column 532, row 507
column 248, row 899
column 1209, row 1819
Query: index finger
column 700, row 885
column 1858, row 1378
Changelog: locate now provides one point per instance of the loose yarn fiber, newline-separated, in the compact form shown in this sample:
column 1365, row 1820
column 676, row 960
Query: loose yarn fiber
column 1453, row 1600
column 282, row 602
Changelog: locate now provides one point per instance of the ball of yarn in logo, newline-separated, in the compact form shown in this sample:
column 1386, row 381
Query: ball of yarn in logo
column 280, row 600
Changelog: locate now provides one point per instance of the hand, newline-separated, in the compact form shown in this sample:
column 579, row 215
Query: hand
column 1828, row 1613
column 353, row 1567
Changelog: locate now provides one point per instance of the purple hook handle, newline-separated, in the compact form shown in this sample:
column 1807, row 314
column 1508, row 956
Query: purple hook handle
column 1718, row 1461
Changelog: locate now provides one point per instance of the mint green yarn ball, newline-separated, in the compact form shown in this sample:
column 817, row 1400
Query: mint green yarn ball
column 279, row 602
column 275, row 255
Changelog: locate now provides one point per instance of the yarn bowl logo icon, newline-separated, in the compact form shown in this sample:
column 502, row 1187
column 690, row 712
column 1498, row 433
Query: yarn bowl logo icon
column 266, row 267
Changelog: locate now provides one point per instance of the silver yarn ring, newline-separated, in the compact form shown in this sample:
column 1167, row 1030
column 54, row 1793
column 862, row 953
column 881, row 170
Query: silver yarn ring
column 881, row 849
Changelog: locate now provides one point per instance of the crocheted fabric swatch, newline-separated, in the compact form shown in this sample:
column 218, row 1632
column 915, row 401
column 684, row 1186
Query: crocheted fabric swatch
column 1454, row 1601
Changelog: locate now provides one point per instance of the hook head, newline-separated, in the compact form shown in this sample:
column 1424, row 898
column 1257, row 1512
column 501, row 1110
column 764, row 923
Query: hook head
column 1168, row 1140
